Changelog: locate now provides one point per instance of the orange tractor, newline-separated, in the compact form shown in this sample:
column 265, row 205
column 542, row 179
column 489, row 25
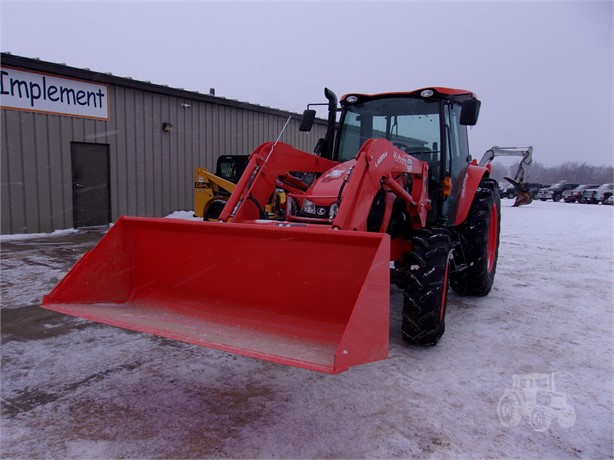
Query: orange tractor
column 391, row 194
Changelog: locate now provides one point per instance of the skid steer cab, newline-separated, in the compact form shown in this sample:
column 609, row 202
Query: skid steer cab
column 212, row 190
column 392, row 180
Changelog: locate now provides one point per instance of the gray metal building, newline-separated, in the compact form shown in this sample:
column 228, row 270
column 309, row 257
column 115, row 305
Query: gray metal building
column 136, row 143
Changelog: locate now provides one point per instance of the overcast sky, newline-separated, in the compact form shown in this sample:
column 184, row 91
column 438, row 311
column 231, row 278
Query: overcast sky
column 543, row 70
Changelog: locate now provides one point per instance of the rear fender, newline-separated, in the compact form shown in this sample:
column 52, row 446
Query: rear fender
column 471, row 181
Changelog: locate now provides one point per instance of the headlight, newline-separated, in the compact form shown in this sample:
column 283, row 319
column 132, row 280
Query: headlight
column 309, row 207
column 333, row 211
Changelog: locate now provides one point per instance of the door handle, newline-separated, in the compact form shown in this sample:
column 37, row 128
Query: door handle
column 78, row 186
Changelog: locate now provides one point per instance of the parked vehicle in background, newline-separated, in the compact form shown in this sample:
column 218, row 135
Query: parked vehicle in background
column 575, row 195
column 509, row 191
column 555, row 191
column 599, row 194
column 534, row 188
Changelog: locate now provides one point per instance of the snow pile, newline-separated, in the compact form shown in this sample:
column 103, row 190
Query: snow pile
column 185, row 215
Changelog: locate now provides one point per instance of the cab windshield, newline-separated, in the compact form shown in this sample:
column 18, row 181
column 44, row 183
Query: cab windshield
column 411, row 124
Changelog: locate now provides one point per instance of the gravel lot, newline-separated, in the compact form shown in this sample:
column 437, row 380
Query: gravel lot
column 76, row 389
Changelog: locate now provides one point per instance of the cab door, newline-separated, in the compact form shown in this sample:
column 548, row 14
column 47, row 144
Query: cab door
column 457, row 156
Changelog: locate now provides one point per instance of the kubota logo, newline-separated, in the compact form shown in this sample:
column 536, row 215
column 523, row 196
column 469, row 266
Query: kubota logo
column 533, row 396
column 402, row 159
column 380, row 159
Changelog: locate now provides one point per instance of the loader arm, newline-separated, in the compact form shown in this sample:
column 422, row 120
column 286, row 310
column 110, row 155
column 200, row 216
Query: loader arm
column 268, row 162
column 378, row 164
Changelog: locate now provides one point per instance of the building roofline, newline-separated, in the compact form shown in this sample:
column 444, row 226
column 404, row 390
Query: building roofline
column 39, row 65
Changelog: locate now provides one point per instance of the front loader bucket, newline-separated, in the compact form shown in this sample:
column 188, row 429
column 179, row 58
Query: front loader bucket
column 307, row 297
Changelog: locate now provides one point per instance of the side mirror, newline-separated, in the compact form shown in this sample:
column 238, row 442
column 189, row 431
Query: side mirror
column 307, row 121
column 469, row 112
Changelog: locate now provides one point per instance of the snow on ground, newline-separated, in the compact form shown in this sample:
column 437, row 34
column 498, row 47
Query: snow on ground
column 27, row 236
column 74, row 389
column 34, row 263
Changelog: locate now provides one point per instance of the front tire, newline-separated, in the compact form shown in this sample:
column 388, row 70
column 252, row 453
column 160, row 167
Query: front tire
column 426, row 290
column 479, row 236
column 540, row 419
column 213, row 210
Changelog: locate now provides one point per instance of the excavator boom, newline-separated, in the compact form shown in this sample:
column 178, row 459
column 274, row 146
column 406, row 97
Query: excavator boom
column 523, row 196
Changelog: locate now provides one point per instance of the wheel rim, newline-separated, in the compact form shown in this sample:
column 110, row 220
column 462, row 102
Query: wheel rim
column 509, row 410
column 539, row 419
column 493, row 232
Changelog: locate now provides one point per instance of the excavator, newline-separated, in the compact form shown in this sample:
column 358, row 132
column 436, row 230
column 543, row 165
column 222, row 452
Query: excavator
column 390, row 195
column 523, row 195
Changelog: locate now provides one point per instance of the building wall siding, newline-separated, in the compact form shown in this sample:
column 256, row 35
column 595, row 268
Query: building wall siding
column 151, row 170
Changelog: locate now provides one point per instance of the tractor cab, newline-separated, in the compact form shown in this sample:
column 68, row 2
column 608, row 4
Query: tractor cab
column 428, row 124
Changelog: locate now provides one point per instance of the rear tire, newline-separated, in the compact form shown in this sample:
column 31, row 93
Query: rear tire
column 479, row 236
column 509, row 409
column 426, row 288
